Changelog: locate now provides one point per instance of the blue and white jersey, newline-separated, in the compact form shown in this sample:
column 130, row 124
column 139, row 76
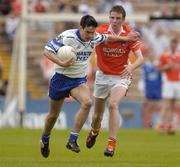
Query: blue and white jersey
column 83, row 50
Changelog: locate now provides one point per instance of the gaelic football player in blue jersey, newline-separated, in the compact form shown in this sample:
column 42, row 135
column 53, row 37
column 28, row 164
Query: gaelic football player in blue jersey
column 70, row 77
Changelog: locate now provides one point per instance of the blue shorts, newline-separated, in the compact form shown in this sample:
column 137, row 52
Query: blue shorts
column 153, row 95
column 61, row 85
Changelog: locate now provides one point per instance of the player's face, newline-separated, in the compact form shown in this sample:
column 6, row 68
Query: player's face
column 87, row 33
column 174, row 45
column 116, row 20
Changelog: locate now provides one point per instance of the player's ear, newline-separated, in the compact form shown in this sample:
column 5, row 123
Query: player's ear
column 81, row 28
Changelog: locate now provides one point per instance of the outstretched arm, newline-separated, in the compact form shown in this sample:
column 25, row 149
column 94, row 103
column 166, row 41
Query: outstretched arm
column 132, row 36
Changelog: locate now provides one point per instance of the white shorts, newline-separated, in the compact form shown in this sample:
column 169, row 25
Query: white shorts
column 171, row 90
column 104, row 84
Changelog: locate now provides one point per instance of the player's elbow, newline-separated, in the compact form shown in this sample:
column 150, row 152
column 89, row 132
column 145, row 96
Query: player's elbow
column 47, row 53
column 158, row 68
column 141, row 59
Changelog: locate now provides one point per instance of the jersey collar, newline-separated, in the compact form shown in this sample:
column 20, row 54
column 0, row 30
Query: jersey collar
column 78, row 34
column 111, row 30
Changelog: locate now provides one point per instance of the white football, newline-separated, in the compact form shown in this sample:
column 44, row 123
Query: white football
column 66, row 52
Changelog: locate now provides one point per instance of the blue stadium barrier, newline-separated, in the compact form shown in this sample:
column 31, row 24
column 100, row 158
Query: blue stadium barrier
column 131, row 112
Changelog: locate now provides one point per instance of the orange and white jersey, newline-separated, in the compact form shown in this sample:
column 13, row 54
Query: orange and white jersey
column 174, row 73
column 112, row 56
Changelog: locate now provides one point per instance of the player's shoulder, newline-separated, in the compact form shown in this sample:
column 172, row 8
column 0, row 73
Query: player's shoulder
column 102, row 28
column 165, row 56
column 69, row 33
column 126, row 28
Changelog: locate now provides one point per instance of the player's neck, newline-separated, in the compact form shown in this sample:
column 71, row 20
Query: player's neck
column 115, row 30
column 173, row 51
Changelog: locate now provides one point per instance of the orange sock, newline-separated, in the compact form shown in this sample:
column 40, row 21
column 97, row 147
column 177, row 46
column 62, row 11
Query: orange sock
column 161, row 128
column 170, row 127
column 111, row 143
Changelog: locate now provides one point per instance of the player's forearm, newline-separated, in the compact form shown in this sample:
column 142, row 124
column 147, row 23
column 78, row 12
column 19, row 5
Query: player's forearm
column 165, row 67
column 51, row 56
column 112, row 38
column 138, row 62
column 132, row 36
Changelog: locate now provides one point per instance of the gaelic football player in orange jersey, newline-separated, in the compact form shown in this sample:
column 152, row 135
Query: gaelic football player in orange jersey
column 113, row 76
column 170, row 66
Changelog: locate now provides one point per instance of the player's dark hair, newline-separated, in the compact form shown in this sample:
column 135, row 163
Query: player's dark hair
column 174, row 40
column 88, row 21
column 118, row 9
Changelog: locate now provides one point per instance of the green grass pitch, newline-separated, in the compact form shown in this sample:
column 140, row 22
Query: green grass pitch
column 135, row 148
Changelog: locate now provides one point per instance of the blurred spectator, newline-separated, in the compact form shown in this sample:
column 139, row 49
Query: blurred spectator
column 161, row 40
column 39, row 7
column 176, row 10
column 1, row 69
column 67, row 6
column 158, row 39
column 31, row 6
column 3, row 88
column 128, row 6
column 104, row 6
column 170, row 66
column 176, row 16
column 3, row 84
column 86, row 7
column 16, row 7
column 163, row 11
column 11, row 24
column 5, row 7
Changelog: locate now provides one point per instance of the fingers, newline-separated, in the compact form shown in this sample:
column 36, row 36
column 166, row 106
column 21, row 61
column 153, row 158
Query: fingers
column 137, row 34
column 125, row 73
column 127, row 70
column 68, row 62
column 134, row 35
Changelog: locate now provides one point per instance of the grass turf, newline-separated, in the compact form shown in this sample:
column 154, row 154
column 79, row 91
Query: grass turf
column 135, row 148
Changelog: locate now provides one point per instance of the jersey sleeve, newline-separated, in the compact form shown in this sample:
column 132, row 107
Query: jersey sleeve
column 100, row 38
column 135, row 46
column 54, row 44
column 162, row 60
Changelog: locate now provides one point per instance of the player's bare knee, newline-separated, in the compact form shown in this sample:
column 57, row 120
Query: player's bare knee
column 53, row 116
column 87, row 103
column 113, row 106
column 98, row 116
